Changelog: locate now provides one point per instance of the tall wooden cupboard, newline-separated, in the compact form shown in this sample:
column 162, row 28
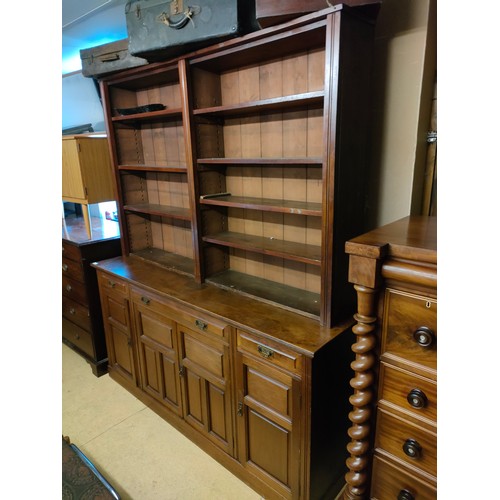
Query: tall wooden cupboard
column 239, row 170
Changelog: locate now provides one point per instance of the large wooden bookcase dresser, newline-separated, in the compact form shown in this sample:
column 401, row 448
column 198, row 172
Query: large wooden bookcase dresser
column 239, row 171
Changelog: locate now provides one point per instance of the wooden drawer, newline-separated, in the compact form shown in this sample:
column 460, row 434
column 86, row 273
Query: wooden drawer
column 394, row 434
column 412, row 393
column 72, row 269
column 272, row 352
column 76, row 313
column 191, row 320
column 74, row 290
column 77, row 336
column 410, row 321
column 71, row 251
column 111, row 284
column 389, row 481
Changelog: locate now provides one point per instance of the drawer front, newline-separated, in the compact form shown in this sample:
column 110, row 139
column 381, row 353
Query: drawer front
column 110, row 284
column 76, row 313
column 395, row 435
column 410, row 392
column 410, row 328
column 78, row 337
column 272, row 352
column 74, row 290
column 190, row 320
column 389, row 481
column 71, row 252
column 72, row 269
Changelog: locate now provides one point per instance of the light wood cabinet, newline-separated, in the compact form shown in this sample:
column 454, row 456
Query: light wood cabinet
column 87, row 175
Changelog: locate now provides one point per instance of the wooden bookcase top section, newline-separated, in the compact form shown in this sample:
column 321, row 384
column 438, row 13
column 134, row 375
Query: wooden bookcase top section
column 244, row 180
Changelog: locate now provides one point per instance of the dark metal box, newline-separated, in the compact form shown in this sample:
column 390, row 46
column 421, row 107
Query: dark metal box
column 108, row 58
column 158, row 29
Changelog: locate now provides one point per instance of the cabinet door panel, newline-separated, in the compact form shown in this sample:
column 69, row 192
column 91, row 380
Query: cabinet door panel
column 268, row 423
column 158, row 356
column 121, row 354
column 268, row 446
column 206, row 383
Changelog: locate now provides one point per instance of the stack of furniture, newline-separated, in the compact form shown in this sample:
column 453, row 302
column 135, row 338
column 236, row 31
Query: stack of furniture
column 82, row 324
column 394, row 269
column 239, row 171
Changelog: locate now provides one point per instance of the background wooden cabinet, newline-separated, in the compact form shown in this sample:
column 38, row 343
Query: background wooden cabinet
column 87, row 175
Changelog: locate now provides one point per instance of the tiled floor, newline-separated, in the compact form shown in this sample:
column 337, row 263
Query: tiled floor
column 139, row 453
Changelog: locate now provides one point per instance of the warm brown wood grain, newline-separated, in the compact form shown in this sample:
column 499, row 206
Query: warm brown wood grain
column 400, row 258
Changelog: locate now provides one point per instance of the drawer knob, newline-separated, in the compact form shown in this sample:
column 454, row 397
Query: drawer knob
column 417, row 398
column 265, row 351
column 112, row 284
column 423, row 336
column 65, row 267
column 405, row 495
column 72, row 310
column 412, row 448
column 68, row 288
column 145, row 300
column 200, row 324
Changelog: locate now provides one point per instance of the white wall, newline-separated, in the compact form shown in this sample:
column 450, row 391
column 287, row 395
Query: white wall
column 80, row 102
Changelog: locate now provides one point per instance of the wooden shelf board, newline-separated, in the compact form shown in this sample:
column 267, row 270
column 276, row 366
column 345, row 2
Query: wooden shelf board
column 160, row 210
column 167, row 260
column 308, row 254
column 290, row 298
column 152, row 168
column 164, row 114
column 266, row 204
column 277, row 103
column 260, row 162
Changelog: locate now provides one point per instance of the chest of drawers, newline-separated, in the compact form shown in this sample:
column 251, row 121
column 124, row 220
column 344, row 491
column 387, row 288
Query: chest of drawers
column 393, row 449
column 82, row 327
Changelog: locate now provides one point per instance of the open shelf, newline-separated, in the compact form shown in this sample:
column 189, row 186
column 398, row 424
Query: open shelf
column 181, row 169
column 267, row 204
column 284, row 103
column 167, row 260
column 151, row 116
column 161, row 210
column 300, row 252
column 262, row 162
column 290, row 298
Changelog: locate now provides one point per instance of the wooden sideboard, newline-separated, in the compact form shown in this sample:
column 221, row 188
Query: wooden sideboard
column 393, row 448
column 82, row 327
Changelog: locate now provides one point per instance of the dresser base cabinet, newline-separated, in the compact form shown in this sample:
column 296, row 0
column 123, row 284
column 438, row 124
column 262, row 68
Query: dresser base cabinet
column 394, row 416
column 82, row 324
column 263, row 391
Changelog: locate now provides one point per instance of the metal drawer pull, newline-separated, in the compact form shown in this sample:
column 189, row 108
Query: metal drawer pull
column 412, row 448
column 112, row 284
column 423, row 336
column 405, row 495
column 145, row 300
column 68, row 288
column 265, row 351
column 72, row 310
column 417, row 398
column 240, row 409
column 65, row 267
column 200, row 324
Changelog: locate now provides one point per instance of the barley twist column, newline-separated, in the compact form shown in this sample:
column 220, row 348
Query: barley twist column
column 359, row 463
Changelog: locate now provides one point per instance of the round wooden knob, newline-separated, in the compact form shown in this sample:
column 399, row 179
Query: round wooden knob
column 412, row 449
column 423, row 336
column 405, row 495
column 417, row 398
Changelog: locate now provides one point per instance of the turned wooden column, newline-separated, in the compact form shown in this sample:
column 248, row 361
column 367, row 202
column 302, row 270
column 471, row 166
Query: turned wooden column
column 363, row 382
column 364, row 273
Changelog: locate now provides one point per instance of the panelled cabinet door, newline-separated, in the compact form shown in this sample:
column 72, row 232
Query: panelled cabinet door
column 72, row 180
column 205, row 379
column 267, row 416
column 157, row 346
column 117, row 327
